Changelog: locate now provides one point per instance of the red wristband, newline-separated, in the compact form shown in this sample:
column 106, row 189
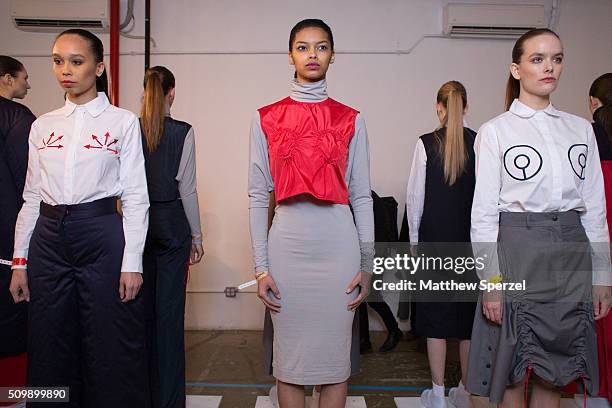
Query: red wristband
column 19, row 262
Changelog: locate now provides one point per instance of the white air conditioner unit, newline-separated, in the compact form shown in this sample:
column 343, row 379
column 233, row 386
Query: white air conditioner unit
column 60, row 15
column 492, row 20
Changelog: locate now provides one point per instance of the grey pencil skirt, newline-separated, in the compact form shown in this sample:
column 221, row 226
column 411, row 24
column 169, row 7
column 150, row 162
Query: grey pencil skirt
column 313, row 252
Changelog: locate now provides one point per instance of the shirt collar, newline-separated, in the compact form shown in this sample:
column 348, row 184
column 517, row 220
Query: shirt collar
column 524, row 111
column 95, row 107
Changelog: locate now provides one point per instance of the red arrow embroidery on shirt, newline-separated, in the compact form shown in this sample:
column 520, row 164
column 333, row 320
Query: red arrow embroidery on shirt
column 90, row 146
column 55, row 140
column 105, row 145
column 50, row 143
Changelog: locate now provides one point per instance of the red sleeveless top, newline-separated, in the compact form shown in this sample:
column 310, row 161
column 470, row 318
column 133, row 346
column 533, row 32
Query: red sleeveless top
column 308, row 147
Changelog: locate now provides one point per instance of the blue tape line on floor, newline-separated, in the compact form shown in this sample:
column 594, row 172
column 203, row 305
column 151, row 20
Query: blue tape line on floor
column 220, row 385
column 383, row 388
column 351, row 387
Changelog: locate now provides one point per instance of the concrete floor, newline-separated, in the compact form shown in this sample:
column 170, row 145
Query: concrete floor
column 230, row 363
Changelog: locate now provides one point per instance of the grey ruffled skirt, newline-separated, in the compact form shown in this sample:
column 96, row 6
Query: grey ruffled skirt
column 548, row 328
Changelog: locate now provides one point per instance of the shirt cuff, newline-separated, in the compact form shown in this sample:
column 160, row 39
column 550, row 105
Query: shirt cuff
column 602, row 275
column 22, row 253
column 487, row 252
column 414, row 233
column 132, row 262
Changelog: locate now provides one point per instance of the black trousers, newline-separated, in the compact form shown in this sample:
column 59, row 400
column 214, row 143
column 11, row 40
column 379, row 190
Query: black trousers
column 80, row 333
column 383, row 309
column 13, row 316
column 166, row 260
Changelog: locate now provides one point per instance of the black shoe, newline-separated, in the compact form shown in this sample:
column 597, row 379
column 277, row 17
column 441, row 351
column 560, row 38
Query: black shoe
column 364, row 346
column 392, row 340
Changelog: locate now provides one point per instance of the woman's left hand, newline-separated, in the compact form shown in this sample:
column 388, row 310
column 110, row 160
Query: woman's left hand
column 196, row 253
column 129, row 285
column 362, row 280
column 602, row 299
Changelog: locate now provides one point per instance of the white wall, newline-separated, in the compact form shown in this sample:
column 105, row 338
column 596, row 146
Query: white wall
column 229, row 72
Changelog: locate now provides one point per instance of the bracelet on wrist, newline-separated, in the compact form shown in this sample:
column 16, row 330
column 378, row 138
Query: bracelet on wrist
column 496, row 279
column 260, row 275
column 20, row 262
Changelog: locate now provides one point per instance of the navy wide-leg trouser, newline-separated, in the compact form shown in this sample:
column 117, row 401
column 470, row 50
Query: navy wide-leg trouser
column 80, row 333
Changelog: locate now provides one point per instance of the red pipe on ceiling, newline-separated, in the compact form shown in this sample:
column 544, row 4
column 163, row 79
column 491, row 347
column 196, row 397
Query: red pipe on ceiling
column 114, row 51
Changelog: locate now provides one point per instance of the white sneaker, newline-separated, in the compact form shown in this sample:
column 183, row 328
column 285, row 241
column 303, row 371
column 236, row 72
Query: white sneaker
column 274, row 396
column 429, row 400
column 459, row 398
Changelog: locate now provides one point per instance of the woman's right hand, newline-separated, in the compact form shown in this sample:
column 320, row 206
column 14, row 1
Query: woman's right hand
column 602, row 298
column 264, row 285
column 196, row 253
column 19, row 286
column 492, row 306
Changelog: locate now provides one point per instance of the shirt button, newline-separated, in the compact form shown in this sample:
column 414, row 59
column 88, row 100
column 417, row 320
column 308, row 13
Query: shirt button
column 484, row 383
column 555, row 218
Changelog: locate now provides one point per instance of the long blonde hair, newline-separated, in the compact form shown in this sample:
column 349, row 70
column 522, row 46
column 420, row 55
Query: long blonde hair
column 157, row 83
column 453, row 96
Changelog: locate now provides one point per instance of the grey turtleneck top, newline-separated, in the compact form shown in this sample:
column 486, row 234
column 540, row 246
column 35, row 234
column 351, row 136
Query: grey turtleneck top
column 187, row 186
column 357, row 179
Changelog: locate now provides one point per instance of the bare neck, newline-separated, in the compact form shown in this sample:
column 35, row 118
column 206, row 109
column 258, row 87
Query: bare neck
column 535, row 102
column 83, row 98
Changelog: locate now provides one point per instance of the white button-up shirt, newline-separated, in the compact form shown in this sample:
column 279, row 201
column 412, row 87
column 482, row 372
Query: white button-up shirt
column 415, row 192
column 540, row 161
column 82, row 153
